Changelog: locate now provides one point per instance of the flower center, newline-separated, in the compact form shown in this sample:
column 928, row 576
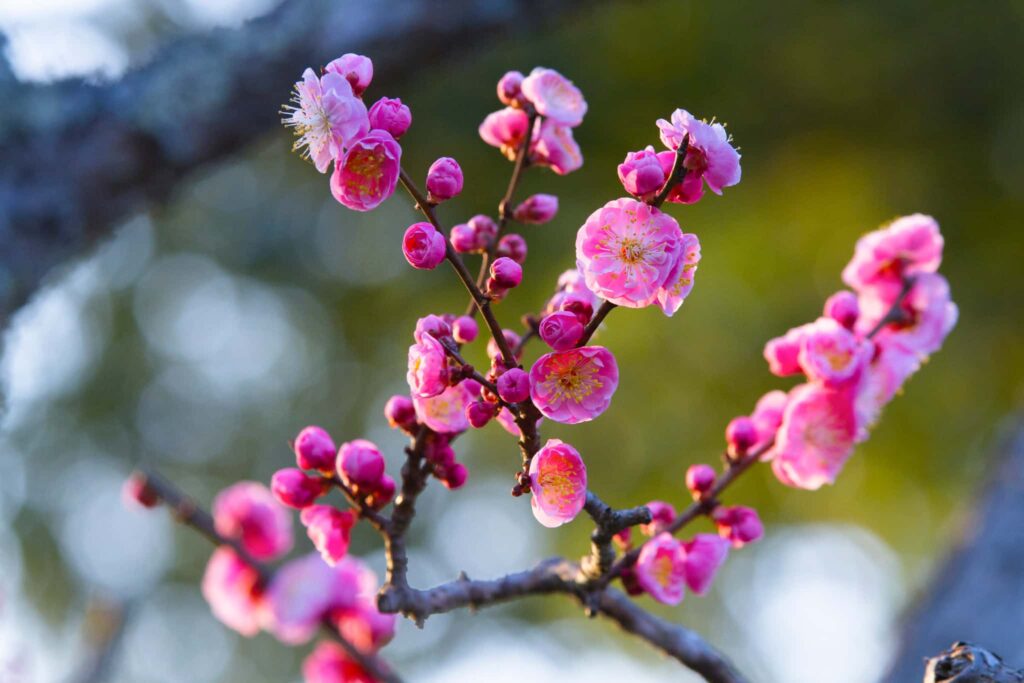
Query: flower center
column 632, row 250
column 661, row 570
column 575, row 381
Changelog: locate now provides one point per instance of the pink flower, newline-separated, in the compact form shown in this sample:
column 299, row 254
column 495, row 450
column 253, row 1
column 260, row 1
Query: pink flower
column 428, row 368
column 680, row 279
column 390, row 115
column 929, row 315
column 580, row 305
column 816, row 437
column 329, row 663
column 365, row 627
column 368, row 173
column 738, row 524
column 446, row 412
column 434, row 326
column 573, row 282
column 767, row 417
column 882, row 378
column 423, row 246
column 513, row 246
column 360, row 463
column 709, row 157
column 554, row 96
column 832, row 355
column 704, row 555
column 661, row 569
column 641, row 173
column 302, row 592
column 907, row 246
column 479, row 413
column 329, row 529
column 505, row 129
column 326, row 117
column 561, row 330
column 514, row 386
column 356, row 69
column 314, row 449
column 558, row 481
column 783, row 353
column 248, row 512
column 510, row 88
column 536, row 209
column 662, row 514
column 576, row 385
column 554, row 146
column 628, row 251
column 444, row 179
column 232, row 588
column 295, row 488
column 699, row 479
column 843, row 307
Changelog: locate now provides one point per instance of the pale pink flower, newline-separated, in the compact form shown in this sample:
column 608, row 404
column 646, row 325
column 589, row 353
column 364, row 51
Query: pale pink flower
column 558, row 482
column 703, row 557
column 575, row 385
column 554, row 96
column 356, row 69
column 641, row 174
column 816, row 437
column 505, row 129
column 929, row 315
column 710, row 155
column 554, row 146
column 679, row 283
column 329, row 529
column 662, row 514
column 368, row 173
column 738, row 524
column 628, row 251
column 302, row 592
column 329, row 663
column 882, row 258
column 446, row 412
column 882, row 378
column 661, row 569
column 326, row 117
column 232, row 589
column 832, row 355
column 248, row 512
column 428, row 368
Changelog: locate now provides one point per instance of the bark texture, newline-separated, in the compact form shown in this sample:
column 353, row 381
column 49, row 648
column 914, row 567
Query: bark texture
column 966, row 663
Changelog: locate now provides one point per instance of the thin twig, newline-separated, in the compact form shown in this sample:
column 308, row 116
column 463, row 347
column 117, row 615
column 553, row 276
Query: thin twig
column 675, row 176
column 595, row 322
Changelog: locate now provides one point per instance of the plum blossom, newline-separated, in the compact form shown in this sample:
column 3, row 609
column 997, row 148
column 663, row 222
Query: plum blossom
column 247, row 511
column 738, row 524
column 325, row 116
column 662, row 514
column 554, row 146
column 446, row 412
column 315, row 450
column 329, row 663
column 302, row 592
column 816, row 437
column 641, row 174
column 628, row 253
column 883, row 377
column 906, row 247
column 560, row 330
column 444, row 179
column 368, row 173
column 294, row 488
column 928, row 316
column 360, row 463
column 536, row 209
column 510, row 88
column 329, row 529
column 513, row 246
column 390, row 115
column 710, row 156
column 558, row 481
column 356, row 69
column 576, row 385
column 423, row 246
column 661, row 569
column 843, row 307
column 680, row 280
column 428, row 368
column 832, row 355
column 232, row 589
column 703, row 557
column 505, row 129
column 767, row 417
column 699, row 479
column 554, row 97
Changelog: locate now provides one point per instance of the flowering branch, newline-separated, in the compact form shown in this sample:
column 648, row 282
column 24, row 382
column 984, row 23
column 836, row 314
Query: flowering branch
column 676, row 175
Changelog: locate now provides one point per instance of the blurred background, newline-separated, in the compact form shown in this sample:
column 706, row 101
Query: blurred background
column 208, row 330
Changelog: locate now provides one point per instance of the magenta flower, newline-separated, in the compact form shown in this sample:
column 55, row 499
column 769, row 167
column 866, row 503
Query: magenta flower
column 680, row 280
column 465, row 329
column 295, row 488
column 662, row 514
column 247, row 511
column 423, row 246
column 232, row 589
column 505, row 273
column 368, row 173
column 444, row 179
column 699, row 479
column 832, row 355
column 738, row 524
column 816, row 437
column 315, row 450
column 843, row 307
column 929, row 315
column 561, row 330
column 710, row 155
column 572, row 282
column 390, row 115
column 628, row 252
column 329, row 663
column 356, row 69
column 400, row 412
column 326, row 117
column 641, row 174
column 505, row 129
column 514, row 386
column 576, row 385
column 703, row 557
column 661, row 569
column 446, row 412
column 554, row 96
column 428, row 368
column 329, row 529
column 558, row 482
column 882, row 258
column 783, row 353
column 740, row 435
column 360, row 464
column 554, row 146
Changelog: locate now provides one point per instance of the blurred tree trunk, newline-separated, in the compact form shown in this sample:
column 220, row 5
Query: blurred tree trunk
column 79, row 157
column 978, row 594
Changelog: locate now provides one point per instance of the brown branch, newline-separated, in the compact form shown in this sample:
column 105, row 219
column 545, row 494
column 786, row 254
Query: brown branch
column 966, row 663
column 595, row 322
column 609, row 522
column 675, row 176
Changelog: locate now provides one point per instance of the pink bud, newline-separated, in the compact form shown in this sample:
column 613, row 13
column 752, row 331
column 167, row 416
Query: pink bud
column 455, row 476
column 294, row 488
column 700, row 479
column 382, row 492
column 360, row 463
column 432, row 325
column 513, row 339
column 465, row 329
column 423, row 246
column 642, row 174
column 579, row 305
column 509, row 89
column 136, row 491
column 463, row 239
column 390, row 115
column 444, row 179
column 506, row 273
column 514, row 386
column 439, row 451
column 844, row 308
column 480, row 413
column 662, row 514
column 538, row 208
column 514, row 247
column 400, row 412
column 330, row 530
column 356, row 69
column 740, row 434
column 561, row 330
column 738, row 524
column 315, row 450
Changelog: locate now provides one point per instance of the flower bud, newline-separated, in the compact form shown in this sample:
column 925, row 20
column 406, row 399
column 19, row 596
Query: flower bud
column 294, row 488
column 360, row 463
column 137, row 491
column 514, row 386
column 740, row 434
column 480, row 413
column 700, row 479
column 382, row 492
column 444, row 179
column 844, row 308
column 513, row 339
column 579, row 305
column 432, row 325
column 315, row 450
column 513, row 246
column 400, row 412
column 662, row 514
column 455, row 476
column 641, row 173
column 356, row 69
column 465, row 329
column 439, row 451
column 506, row 273
column 509, row 89
column 390, row 115
column 560, row 330
column 538, row 208
column 423, row 246
column 738, row 524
